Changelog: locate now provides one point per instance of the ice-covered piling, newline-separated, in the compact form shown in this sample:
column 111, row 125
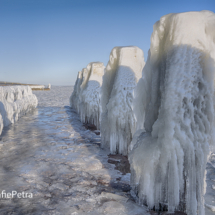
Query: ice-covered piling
column 175, row 97
column 121, row 76
column 90, row 94
column 1, row 124
column 15, row 101
column 74, row 98
column 86, row 95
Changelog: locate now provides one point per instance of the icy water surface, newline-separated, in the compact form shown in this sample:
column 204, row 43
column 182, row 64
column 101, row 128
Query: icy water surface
column 210, row 191
column 50, row 153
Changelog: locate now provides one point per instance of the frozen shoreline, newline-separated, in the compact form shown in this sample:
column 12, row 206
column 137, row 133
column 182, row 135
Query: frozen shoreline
column 63, row 165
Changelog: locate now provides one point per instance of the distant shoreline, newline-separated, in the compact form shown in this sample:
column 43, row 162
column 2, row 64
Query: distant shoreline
column 32, row 86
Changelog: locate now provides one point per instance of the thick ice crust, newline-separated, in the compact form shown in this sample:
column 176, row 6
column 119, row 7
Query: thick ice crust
column 15, row 101
column 121, row 76
column 175, row 100
column 86, row 95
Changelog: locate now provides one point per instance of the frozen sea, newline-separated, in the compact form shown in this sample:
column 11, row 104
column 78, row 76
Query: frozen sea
column 50, row 154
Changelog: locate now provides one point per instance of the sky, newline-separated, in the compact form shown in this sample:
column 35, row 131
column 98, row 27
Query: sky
column 49, row 41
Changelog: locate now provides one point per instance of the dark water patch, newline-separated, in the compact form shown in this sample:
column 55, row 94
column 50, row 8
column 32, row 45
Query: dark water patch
column 121, row 163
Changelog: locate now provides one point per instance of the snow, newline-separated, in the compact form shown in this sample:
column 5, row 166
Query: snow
column 15, row 101
column 86, row 95
column 121, row 76
column 174, row 108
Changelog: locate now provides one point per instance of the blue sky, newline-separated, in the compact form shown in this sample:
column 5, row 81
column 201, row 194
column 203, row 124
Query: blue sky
column 49, row 41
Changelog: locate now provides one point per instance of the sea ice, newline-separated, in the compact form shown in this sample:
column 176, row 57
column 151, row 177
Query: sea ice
column 174, row 106
column 121, row 76
column 15, row 101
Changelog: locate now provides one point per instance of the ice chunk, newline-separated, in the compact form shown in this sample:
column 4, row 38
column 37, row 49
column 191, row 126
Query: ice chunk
column 121, row 76
column 15, row 101
column 114, row 197
column 175, row 100
column 211, row 207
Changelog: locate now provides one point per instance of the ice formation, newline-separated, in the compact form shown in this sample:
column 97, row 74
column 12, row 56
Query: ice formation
column 86, row 95
column 1, row 123
column 121, row 76
column 15, row 101
column 175, row 97
column 74, row 98
column 90, row 96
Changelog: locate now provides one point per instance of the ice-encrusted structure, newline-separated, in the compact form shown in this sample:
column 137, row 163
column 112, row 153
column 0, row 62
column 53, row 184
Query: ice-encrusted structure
column 86, row 95
column 175, row 99
column 90, row 94
column 74, row 98
column 1, row 124
column 15, row 101
column 121, row 76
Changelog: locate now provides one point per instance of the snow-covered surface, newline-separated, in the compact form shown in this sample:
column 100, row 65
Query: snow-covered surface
column 121, row 76
column 175, row 97
column 52, row 155
column 15, row 101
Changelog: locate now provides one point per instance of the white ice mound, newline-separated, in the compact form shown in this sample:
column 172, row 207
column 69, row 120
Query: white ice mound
column 15, row 101
column 176, row 96
column 121, row 76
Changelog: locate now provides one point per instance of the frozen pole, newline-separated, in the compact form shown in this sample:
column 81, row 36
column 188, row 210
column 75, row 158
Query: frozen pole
column 174, row 104
column 122, row 73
